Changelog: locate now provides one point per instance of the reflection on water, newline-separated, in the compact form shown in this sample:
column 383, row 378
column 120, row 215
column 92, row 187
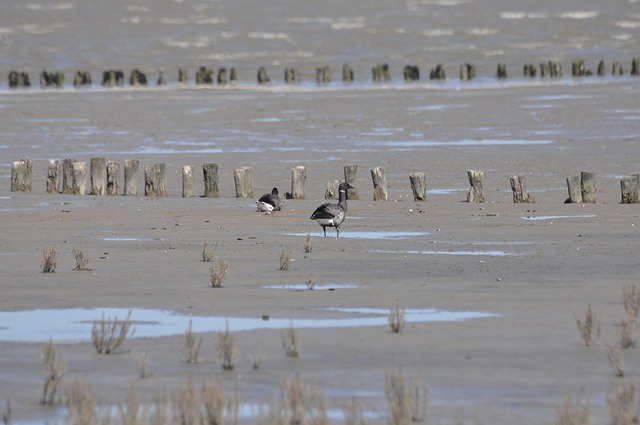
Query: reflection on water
column 556, row 217
column 461, row 253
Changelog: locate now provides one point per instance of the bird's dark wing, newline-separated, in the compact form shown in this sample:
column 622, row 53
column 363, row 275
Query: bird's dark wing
column 267, row 199
column 323, row 211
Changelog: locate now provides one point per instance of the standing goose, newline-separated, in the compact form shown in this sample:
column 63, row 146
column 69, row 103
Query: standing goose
column 332, row 215
column 269, row 202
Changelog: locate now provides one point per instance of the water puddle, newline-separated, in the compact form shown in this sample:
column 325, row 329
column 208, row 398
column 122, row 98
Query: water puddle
column 367, row 235
column 316, row 287
column 73, row 325
column 127, row 239
column 556, row 217
column 461, row 253
column 469, row 142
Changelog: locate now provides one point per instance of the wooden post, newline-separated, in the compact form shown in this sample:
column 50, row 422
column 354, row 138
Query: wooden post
column 350, row 172
column 131, row 177
column 380, row 192
column 21, row 175
column 155, row 180
column 54, row 173
column 467, row 72
column 67, row 175
column 188, row 182
column 501, row 72
column 98, row 176
column 347, row 73
column 113, row 177
column 519, row 189
column 79, row 178
column 418, row 186
column 476, row 180
column 630, row 184
column 298, row 179
column 588, row 187
column 243, row 178
column 210, row 175
column 575, row 191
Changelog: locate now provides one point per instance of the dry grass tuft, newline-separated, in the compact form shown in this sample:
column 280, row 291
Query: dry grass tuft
column 190, row 345
column 143, row 365
column 207, row 254
column 396, row 320
column 7, row 416
column 82, row 405
column 311, row 283
column 589, row 328
column 622, row 401
column 299, row 404
column 54, row 368
column 256, row 358
column 290, row 341
column 81, row 259
column 627, row 333
column 49, row 260
column 573, row 412
column 285, row 260
column 108, row 335
column 207, row 405
column 130, row 410
column 308, row 243
column 354, row 413
column 218, row 272
column 631, row 299
column 616, row 360
column 226, row 348
column 407, row 403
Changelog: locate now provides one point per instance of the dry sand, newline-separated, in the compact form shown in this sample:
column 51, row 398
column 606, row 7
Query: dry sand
column 513, row 368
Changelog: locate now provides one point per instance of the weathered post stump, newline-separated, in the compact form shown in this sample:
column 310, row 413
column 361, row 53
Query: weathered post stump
column 210, row 176
column 233, row 76
column 616, row 69
column 161, row 81
column 243, row 178
column 575, row 191
column 381, row 72
column 21, row 175
column 183, row 75
column 467, row 72
column 131, row 177
column 588, row 187
column 204, row 75
column 322, row 75
column 222, row 76
column 418, row 186
column 529, row 70
column 137, row 78
column 501, row 72
column 54, row 174
column 291, row 76
column 380, row 190
column 298, row 179
column 78, row 178
column 437, row 73
column 350, row 172
column 476, row 192
column 155, row 180
column 519, row 189
column 263, row 77
column 635, row 66
column 411, row 73
column 578, row 68
column 188, row 182
column 347, row 73
column 98, row 176
column 113, row 177
column 630, row 184
column 601, row 72
column 67, row 175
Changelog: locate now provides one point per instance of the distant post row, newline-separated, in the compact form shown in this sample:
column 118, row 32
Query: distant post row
column 379, row 73
column 70, row 176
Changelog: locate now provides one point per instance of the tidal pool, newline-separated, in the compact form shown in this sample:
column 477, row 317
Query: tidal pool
column 74, row 324
column 366, row 235
column 556, row 217
column 492, row 253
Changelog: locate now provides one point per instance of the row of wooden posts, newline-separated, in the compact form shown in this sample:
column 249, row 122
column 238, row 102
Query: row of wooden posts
column 379, row 72
column 70, row 176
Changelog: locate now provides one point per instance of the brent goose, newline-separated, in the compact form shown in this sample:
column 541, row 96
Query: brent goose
column 269, row 202
column 332, row 215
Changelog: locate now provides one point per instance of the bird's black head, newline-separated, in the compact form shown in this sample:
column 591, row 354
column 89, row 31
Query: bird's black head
column 274, row 191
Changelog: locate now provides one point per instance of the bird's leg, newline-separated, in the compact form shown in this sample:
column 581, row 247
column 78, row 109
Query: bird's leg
column 325, row 231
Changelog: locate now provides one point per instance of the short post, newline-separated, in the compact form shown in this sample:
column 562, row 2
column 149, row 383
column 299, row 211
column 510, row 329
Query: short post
column 380, row 191
column 98, row 176
column 476, row 192
column 350, row 172
column 630, row 184
column 113, row 176
column 131, row 177
column 575, row 191
column 21, row 175
column 298, row 179
column 67, row 175
column 519, row 189
column 188, row 182
column 243, row 178
column 79, row 178
column 210, row 175
column 588, row 187
column 54, row 173
column 418, row 186
column 155, row 180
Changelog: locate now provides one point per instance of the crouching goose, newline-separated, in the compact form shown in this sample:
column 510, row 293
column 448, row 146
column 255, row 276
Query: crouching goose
column 269, row 202
column 332, row 215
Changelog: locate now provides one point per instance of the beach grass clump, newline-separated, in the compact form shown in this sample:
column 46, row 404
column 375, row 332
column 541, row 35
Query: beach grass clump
column 616, row 361
column 308, row 243
column 81, row 259
column 573, row 412
column 407, row 402
column 207, row 404
column 218, row 272
column 627, row 333
column 256, row 358
column 7, row 416
column 54, row 369
column 207, row 255
column 353, row 413
column 226, row 348
column 285, row 260
column 589, row 328
column 631, row 299
column 143, row 365
column 290, row 341
column 622, row 403
column 49, row 260
column 396, row 319
column 190, row 345
column 82, row 404
column 130, row 410
column 108, row 335
column 301, row 403
column 311, row 283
